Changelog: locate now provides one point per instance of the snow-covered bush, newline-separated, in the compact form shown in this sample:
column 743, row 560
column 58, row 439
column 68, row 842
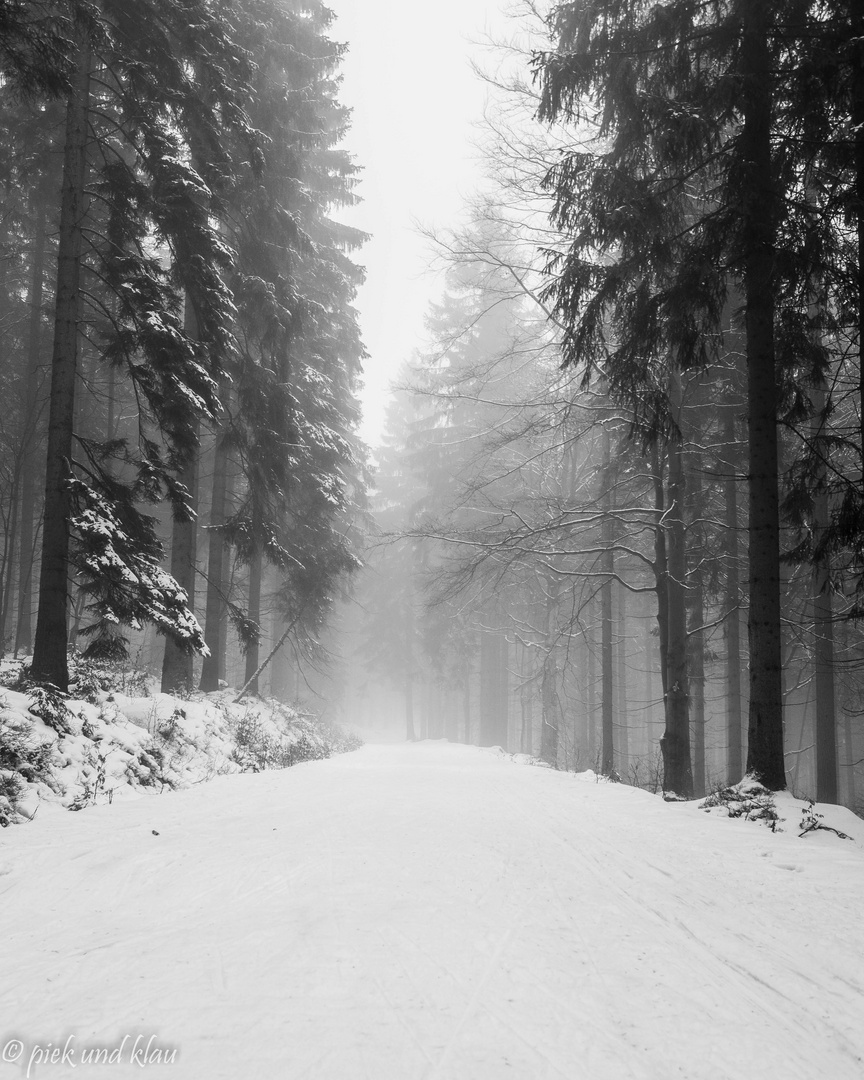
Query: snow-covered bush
column 110, row 738
column 49, row 704
column 747, row 799
column 24, row 761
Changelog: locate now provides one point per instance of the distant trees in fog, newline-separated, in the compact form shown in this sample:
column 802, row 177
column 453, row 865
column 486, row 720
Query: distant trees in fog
column 688, row 336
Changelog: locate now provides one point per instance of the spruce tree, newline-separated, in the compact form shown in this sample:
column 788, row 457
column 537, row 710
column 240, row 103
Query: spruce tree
column 126, row 183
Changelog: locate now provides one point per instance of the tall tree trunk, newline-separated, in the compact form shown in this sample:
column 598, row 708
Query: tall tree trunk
column 253, row 612
column 23, row 627
column 675, row 744
column 858, row 134
column 849, row 747
column 177, row 662
column 732, row 624
column 591, row 696
column 647, row 740
column 49, row 651
column 661, row 566
column 216, row 570
column 10, row 541
column 823, row 623
column 526, row 701
column 549, row 683
column 26, row 554
column 607, row 674
column 622, row 742
column 759, row 214
column 696, row 637
column 697, row 683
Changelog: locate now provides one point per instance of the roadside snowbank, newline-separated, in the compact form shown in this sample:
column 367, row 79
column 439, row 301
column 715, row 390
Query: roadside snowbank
column 117, row 745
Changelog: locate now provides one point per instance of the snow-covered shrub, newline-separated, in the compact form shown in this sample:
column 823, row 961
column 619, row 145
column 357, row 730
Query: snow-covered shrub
column 748, row 799
column 276, row 741
column 24, row 761
column 21, row 751
column 12, row 788
column 49, row 704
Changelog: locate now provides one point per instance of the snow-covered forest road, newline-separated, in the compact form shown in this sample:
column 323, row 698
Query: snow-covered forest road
column 429, row 911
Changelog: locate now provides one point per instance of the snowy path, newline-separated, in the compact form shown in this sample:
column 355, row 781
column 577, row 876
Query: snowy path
column 430, row 911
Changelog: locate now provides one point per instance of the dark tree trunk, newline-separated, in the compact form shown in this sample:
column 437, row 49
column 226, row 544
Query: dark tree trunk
column 858, row 130
column 607, row 673
column 732, row 624
column 647, row 741
column 697, row 683
column 661, row 568
column 49, row 651
column 26, row 547
column 591, row 697
column 26, row 552
column 216, row 571
column 823, row 626
column 696, row 638
column 622, row 741
column 759, row 212
column 10, row 540
column 675, row 744
column 177, row 662
column 253, row 612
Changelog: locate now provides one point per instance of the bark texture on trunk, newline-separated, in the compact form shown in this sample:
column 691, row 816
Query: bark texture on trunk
column 732, row 625
column 26, row 547
column 759, row 212
column 607, row 672
column 622, row 740
column 177, row 662
column 823, row 628
column 216, row 571
column 253, row 612
column 49, row 652
column 675, row 744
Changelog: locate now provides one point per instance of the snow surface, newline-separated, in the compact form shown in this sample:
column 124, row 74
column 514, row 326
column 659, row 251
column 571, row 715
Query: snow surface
column 431, row 911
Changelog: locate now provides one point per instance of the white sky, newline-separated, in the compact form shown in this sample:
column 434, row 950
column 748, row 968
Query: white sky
column 415, row 104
